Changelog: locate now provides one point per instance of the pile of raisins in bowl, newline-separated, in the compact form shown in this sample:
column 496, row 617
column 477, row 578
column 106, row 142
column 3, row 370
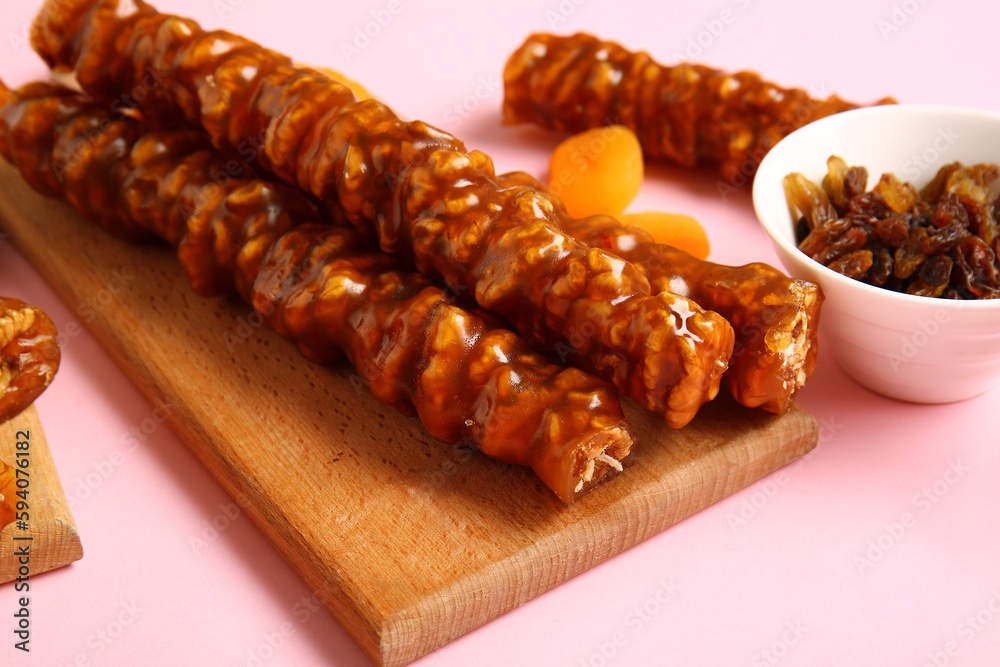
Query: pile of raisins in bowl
column 941, row 241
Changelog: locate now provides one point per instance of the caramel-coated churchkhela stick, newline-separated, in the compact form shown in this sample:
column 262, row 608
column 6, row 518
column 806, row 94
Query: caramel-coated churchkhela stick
column 413, row 185
column 323, row 288
column 775, row 318
column 29, row 355
column 689, row 114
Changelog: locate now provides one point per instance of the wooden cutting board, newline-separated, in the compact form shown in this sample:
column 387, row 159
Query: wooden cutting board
column 408, row 541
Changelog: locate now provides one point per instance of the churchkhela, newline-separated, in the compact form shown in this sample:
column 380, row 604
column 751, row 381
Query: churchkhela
column 320, row 285
column 686, row 113
column 410, row 185
column 775, row 318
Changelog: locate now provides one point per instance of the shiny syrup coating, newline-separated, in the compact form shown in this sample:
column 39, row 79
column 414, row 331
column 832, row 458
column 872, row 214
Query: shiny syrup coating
column 688, row 113
column 775, row 318
column 410, row 185
column 328, row 291
column 29, row 355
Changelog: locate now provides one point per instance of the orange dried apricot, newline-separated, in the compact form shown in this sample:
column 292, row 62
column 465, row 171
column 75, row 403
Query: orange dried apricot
column 673, row 229
column 598, row 171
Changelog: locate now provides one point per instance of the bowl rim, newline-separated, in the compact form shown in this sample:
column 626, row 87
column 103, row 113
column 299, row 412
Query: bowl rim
column 777, row 238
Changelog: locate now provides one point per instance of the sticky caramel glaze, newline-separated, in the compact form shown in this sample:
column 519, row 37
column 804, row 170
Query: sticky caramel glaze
column 327, row 290
column 29, row 355
column 689, row 114
column 414, row 187
column 775, row 318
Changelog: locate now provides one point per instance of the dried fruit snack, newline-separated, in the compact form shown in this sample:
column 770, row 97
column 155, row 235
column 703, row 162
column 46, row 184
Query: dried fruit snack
column 940, row 241
column 600, row 171
column 676, row 230
column 324, row 288
column 688, row 114
column 29, row 355
column 413, row 186
column 597, row 172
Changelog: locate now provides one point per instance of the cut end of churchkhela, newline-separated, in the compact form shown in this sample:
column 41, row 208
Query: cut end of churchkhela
column 598, row 459
column 795, row 339
column 771, row 371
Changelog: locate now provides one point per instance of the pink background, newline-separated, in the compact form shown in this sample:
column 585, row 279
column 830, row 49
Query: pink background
column 768, row 576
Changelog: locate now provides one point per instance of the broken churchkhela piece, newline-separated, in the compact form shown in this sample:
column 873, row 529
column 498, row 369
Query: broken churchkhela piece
column 29, row 355
column 322, row 287
column 413, row 186
column 689, row 114
column 775, row 318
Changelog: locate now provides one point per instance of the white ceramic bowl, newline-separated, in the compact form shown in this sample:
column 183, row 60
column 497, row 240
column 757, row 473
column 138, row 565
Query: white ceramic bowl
column 908, row 347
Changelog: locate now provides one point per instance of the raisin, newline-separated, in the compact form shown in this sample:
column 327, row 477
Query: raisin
column 920, row 288
column 983, row 223
column 851, row 240
column 975, row 266
column 932, row 191
column 973, row 181
column 881, row 269
column 898, row 196
column 801, row 230
column 834, row 183
column 868, row 204
column 892, row 231
column 949, row 211
column 853, row 264
column 822, row 236
column 856, row 182
column 940, row 241
column 808, row 200
column 910, row 255
column 936, row 270
column 921, row 213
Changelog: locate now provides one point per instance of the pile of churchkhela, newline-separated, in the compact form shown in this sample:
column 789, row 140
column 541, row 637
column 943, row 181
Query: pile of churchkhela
column 468, row 297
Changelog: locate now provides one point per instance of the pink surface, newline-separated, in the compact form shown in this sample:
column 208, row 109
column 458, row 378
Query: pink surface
column 880, row 548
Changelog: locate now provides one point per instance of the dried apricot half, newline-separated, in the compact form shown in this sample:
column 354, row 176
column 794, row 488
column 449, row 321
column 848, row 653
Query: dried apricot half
column 673, row 229
column 598, row 171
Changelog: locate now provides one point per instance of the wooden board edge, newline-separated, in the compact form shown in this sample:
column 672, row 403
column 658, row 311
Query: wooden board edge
column 416, row 632
column 54, row 538
column 322, row 581
column 58, row 541
column 325, row 584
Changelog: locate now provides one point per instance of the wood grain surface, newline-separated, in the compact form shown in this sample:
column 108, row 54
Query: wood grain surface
column 51, row 537
column 408, row 541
